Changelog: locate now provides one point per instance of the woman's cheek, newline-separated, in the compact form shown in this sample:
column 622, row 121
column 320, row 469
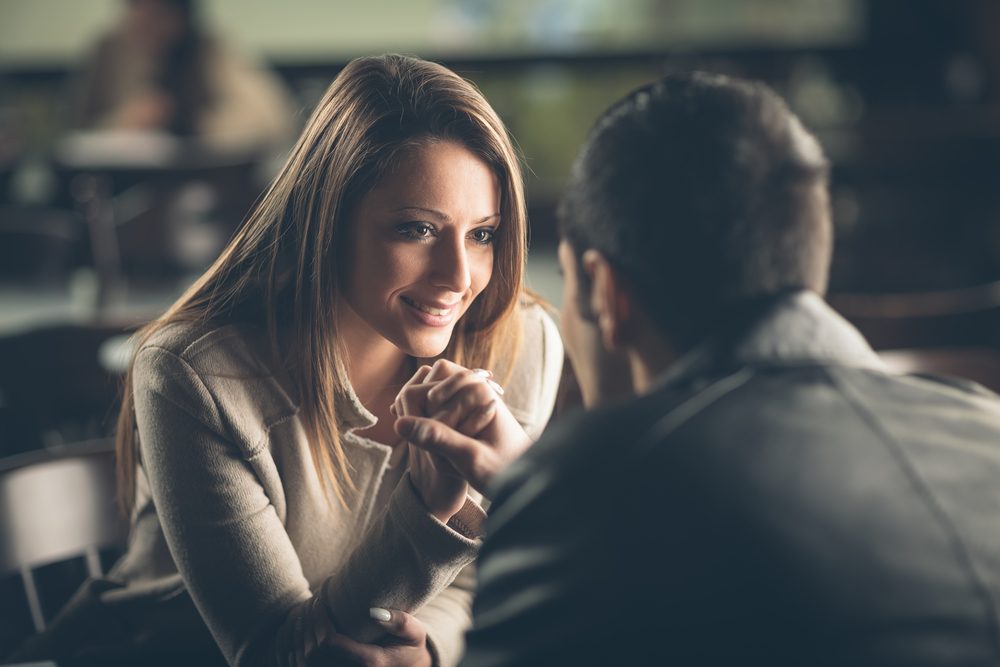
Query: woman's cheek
column 485, row 273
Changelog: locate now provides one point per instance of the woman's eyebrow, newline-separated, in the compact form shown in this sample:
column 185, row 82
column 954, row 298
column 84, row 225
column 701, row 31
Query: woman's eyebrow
column 428, row 211
column 439, row 215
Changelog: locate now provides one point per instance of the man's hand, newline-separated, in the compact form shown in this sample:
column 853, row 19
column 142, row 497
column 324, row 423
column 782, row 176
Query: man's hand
column 463, row 420
column 404, row 645
column 441, row 487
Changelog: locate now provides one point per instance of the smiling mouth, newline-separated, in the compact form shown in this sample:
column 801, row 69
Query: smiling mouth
column 424, row 308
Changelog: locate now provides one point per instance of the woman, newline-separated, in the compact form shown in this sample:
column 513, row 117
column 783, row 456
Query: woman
column 271, row 499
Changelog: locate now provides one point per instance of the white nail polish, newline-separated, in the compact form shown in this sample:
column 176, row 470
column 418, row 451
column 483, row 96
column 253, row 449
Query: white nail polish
column 380, row 614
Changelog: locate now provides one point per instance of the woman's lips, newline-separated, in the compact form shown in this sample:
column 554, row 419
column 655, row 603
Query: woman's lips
column 431, row 314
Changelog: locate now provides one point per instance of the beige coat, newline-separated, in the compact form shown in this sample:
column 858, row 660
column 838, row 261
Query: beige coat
column 230, row 509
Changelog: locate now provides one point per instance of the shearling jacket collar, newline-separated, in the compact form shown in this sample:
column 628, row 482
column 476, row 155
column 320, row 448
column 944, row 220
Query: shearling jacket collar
column 799, row 328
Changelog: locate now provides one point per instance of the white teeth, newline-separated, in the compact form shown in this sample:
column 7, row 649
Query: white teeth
column 439, row 312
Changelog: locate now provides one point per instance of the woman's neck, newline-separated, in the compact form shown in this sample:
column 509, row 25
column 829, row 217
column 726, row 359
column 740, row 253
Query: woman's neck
column 376, row 368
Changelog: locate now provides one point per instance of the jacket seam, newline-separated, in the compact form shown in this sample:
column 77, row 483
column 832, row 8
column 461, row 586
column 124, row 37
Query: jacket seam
column 690, row 407
column 924, row 491
column 261, row 445
column 201, row 382
column 221, row 334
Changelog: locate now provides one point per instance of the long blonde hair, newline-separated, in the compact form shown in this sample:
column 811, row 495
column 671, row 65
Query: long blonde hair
column 280, row 269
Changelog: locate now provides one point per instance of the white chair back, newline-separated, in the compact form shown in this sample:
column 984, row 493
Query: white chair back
column 55, row 506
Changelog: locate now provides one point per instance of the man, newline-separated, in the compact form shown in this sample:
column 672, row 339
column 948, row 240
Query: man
column 772, row 494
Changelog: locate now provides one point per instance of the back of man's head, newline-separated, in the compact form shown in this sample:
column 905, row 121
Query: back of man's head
column 706, row 194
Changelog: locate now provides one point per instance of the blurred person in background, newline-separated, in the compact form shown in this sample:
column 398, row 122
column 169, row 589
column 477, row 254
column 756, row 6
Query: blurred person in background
column 191, row 125
column 158, row 70
column 276, row 514
column 774, row 494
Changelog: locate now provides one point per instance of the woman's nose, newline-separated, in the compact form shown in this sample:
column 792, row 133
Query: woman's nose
column 451, row 265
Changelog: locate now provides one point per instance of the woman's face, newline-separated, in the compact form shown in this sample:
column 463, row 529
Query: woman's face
column 421, row 246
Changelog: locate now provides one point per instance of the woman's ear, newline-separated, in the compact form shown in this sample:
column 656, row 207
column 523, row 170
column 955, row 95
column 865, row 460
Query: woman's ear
column 610, row 301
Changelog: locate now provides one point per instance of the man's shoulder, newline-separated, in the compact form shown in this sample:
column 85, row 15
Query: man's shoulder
column 628, row 423
column 621, row 420
column 577, row 445
column 750, row 412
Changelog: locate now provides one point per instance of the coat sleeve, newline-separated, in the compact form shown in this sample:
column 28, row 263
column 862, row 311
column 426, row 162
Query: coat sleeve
column 230, row 544
column 447, row 616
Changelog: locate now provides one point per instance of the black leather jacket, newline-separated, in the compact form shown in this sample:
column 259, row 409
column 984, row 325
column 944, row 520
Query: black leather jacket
column 782, row 499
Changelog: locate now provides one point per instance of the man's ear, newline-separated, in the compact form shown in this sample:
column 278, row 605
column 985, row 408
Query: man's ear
column 610, row 301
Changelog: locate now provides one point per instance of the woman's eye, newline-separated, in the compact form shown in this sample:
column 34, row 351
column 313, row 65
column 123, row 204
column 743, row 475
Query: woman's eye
column 416, row 231
column 484, row 236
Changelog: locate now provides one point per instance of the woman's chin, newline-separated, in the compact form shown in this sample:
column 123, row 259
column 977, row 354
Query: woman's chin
column 426, row 349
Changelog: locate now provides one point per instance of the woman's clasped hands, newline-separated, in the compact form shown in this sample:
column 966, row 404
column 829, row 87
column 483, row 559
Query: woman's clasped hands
column 459, row 431
column 460, row 434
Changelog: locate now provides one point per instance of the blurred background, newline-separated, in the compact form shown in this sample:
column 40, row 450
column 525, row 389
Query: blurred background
column 135, row 135
column 903, row 93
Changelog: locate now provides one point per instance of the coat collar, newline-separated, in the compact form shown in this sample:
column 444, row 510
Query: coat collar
column 351, row 414
column 796, row 329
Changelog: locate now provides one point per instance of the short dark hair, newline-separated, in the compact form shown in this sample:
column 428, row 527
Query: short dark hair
column 706, row 193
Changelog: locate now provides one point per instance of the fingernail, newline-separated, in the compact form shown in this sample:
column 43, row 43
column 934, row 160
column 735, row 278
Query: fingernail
column 392, row 409
column 496, row 387
column 379, row 614
column 482, row 372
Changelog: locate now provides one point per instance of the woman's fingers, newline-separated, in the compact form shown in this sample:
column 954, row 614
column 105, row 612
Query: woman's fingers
column 454, row 399
column 443, row 369
column 404, row 643
column 471, row 400
column 412, row 397
column 446, row 387
column 433, row 437
column 404, row 628
column 478, row 420
column 419, row 375
column 462, row 398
